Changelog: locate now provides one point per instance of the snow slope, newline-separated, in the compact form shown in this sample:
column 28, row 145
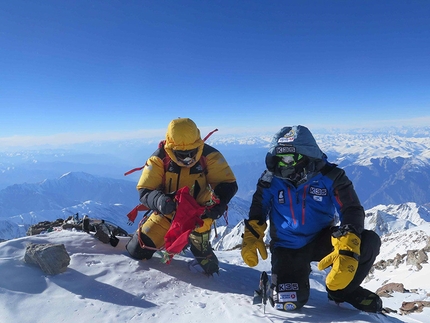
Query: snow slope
column 103, row 284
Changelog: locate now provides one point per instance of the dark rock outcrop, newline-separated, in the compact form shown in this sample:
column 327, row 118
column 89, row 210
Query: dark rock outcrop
column 51, row 258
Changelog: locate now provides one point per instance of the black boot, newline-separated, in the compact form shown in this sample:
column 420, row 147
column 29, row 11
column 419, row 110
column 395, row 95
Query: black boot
column 361, row 298
column 136, row 251
column 203, row 252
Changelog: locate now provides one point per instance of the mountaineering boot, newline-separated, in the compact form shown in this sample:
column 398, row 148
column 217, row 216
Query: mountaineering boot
column 202, row 251
column 135, row 249
column 209, row 262
column 362, row 299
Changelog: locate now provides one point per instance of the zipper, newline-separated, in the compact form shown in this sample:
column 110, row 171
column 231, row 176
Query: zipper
column 291, row 205
column 305, row 189
column 170, row 185
column 177, row 182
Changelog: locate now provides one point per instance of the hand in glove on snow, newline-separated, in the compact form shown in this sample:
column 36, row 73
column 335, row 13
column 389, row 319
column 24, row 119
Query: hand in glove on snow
column 253, row 241
column 343, row 259
column 158, row 201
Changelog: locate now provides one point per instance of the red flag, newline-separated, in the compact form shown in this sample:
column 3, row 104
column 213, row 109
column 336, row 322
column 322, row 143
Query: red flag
column 133, row 213
column 186, row 219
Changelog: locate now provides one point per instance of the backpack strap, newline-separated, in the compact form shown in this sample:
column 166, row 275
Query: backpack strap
column 209, row 134
column 131, row 171
column 160, row 146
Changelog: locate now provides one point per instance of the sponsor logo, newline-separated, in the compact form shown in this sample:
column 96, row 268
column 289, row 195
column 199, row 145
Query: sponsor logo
column 279, row 306
column 289, row 306
column 288, row 286
column 318, row 191
column 318, row 198
column 287, row 297
column 285, row 150
column 289, row 136
column 281, row 197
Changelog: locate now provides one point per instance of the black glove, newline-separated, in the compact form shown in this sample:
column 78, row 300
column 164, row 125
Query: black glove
column 163, row 203
column 216, row 211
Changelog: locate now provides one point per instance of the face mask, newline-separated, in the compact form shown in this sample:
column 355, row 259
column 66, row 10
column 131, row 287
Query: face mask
column 291, row 166
column 186, row 157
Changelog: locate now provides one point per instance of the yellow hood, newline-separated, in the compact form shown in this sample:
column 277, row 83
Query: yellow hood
column 183, row 134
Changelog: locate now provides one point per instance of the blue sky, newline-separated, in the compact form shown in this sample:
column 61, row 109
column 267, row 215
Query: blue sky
column 81, row 70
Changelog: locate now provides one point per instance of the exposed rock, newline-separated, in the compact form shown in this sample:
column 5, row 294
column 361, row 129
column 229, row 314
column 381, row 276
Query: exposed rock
column 389, row 310
column 412, row 258
column 51, row 258
column 47, row 226
column 44, row 226
column 383, row 264
column 416, row 258
column 388, row 289
column 411, row 307
column 427, row 247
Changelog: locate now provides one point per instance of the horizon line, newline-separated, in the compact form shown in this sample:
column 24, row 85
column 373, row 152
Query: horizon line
column 76, row 138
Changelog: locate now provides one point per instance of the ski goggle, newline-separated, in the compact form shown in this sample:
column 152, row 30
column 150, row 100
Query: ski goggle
column 289, row 160
column 186, row 156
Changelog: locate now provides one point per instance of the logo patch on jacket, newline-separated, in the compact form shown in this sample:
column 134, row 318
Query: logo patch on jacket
column 288, row 286
column 289, row 136
column 281, row 197
column 318, row 193
column 285, row 150
column 287, row 297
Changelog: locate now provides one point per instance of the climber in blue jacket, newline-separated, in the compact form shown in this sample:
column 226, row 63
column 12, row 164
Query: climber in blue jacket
column 314, row 214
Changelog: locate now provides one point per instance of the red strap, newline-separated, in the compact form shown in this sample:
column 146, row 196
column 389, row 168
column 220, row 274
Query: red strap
column 209, row 134
column 133, row 170
column 226, row 215
column 133, row 213
column 161, row 143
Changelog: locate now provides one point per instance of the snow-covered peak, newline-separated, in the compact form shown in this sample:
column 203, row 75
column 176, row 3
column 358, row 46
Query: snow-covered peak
column 398, row 216
column 362, row 148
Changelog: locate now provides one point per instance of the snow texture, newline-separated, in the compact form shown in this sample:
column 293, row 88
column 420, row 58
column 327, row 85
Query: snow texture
column 103, row 284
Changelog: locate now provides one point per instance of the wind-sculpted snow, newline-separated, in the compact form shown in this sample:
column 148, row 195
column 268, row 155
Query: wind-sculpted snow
column 103, row 284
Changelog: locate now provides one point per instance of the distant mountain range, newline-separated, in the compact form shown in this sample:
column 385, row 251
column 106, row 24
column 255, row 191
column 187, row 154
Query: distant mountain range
column 384, row 220
column 22, row 205
column 387, row 168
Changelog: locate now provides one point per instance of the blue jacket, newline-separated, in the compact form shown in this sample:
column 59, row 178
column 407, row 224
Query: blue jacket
column 298, row 214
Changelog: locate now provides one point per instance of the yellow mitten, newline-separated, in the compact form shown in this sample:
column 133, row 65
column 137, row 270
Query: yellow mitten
column 253, row 241
column 206, row 226
column 344, row 260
